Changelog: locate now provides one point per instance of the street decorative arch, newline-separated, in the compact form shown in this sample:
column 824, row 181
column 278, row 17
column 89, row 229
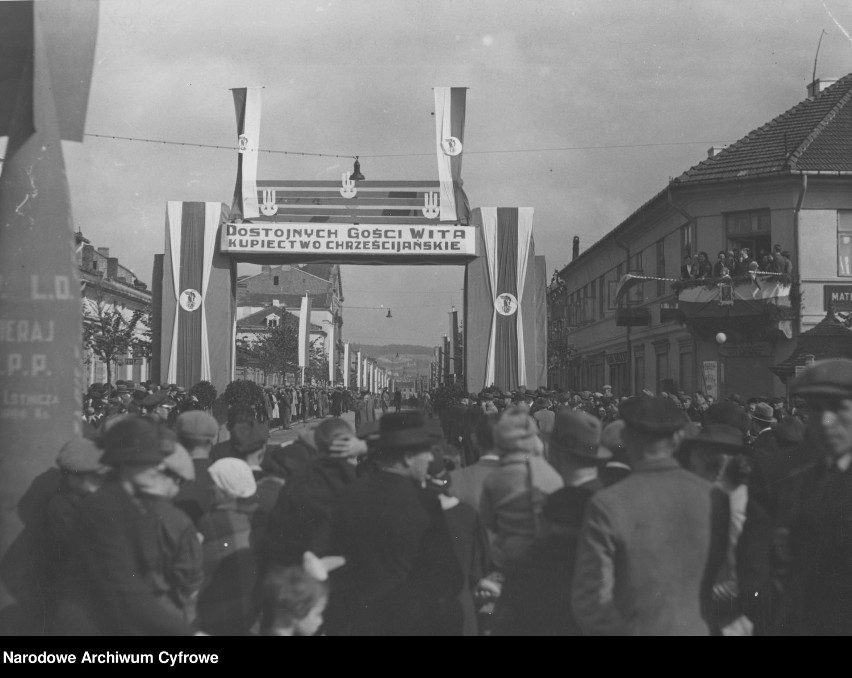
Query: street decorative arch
column 426, row 222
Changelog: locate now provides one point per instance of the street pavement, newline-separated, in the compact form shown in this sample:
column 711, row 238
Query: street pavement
column 279, row 436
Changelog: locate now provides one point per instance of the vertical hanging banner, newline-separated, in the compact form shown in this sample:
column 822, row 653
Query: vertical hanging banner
column 454, row 343
column 247, row 107
column 46, row 58
column 500, row 309
column 450, row 103
column 347, row 365
column 541, row 320
column 305, row 332
column 195, row 298
column 358, row 372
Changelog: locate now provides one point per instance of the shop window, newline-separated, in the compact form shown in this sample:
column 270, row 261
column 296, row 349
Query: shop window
column 844, row 244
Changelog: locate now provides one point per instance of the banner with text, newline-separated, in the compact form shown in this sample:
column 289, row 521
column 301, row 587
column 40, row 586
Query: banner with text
column 339, row 238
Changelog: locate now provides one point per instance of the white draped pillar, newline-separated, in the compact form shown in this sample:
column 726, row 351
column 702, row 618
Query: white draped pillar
column 346, row 365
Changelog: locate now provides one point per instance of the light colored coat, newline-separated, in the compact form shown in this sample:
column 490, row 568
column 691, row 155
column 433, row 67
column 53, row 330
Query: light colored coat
column 512, row 496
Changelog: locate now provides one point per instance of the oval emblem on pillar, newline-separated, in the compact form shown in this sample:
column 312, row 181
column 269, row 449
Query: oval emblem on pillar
column 506, row 304
column 451, row 146
column 190, row 300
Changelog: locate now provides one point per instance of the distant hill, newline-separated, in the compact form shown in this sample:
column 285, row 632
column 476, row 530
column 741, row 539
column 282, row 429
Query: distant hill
column 413, row 360
column 408, row 349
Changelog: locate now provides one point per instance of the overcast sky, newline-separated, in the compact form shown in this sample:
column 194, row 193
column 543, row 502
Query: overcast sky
column 550, row 83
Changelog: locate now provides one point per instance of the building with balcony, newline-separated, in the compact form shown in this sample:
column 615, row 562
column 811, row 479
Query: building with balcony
column 787, row 183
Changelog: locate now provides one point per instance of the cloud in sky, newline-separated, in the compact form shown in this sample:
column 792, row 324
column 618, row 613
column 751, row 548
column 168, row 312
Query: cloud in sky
column 355, row 78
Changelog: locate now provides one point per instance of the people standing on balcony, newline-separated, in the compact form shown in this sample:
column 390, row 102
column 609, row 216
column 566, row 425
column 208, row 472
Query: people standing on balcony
column 721, row 268
column 688, row 269
column 705, row 268
column 731, row 262
column 780, row 261
column 745, row 262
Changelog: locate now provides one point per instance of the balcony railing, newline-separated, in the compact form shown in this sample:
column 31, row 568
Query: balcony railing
column 749, row 304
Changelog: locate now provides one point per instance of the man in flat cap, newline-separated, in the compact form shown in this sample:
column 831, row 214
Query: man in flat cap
column 127, row 568
column 196, row 431
column 651, row 543
column 814, row 516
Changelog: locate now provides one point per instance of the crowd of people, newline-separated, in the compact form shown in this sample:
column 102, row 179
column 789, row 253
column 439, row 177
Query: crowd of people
column 280, row 407
column 546, row 512
column 736, row 263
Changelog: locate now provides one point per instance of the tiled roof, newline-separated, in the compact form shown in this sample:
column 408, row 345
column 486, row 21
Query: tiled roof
column 828, row 339
column 319, row 270
column 258, row 317
column 318, row 301
column 814, row 135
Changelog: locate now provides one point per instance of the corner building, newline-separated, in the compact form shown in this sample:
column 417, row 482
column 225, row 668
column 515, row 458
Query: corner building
column 787, row 183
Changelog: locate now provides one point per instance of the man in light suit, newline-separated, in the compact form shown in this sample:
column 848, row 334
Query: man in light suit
column 651, row 543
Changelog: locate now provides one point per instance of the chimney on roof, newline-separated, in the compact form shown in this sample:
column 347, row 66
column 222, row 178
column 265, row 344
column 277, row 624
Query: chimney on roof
column 104, row 252
column 88, row 255
column 112, row 268
column 575, row 249
column 715, row 150
column 266, row 269
column 819, row 85
column 276, row 303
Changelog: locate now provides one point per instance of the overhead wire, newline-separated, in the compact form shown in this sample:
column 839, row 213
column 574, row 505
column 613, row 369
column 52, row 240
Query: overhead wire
column 399, row 155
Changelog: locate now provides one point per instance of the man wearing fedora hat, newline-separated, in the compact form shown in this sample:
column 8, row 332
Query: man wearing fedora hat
column 402, row 576
column 651, row 542
column 762, row 419
column 575, row 449
column 814, row 517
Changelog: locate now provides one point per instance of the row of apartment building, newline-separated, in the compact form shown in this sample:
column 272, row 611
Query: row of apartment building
column 787, row 183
